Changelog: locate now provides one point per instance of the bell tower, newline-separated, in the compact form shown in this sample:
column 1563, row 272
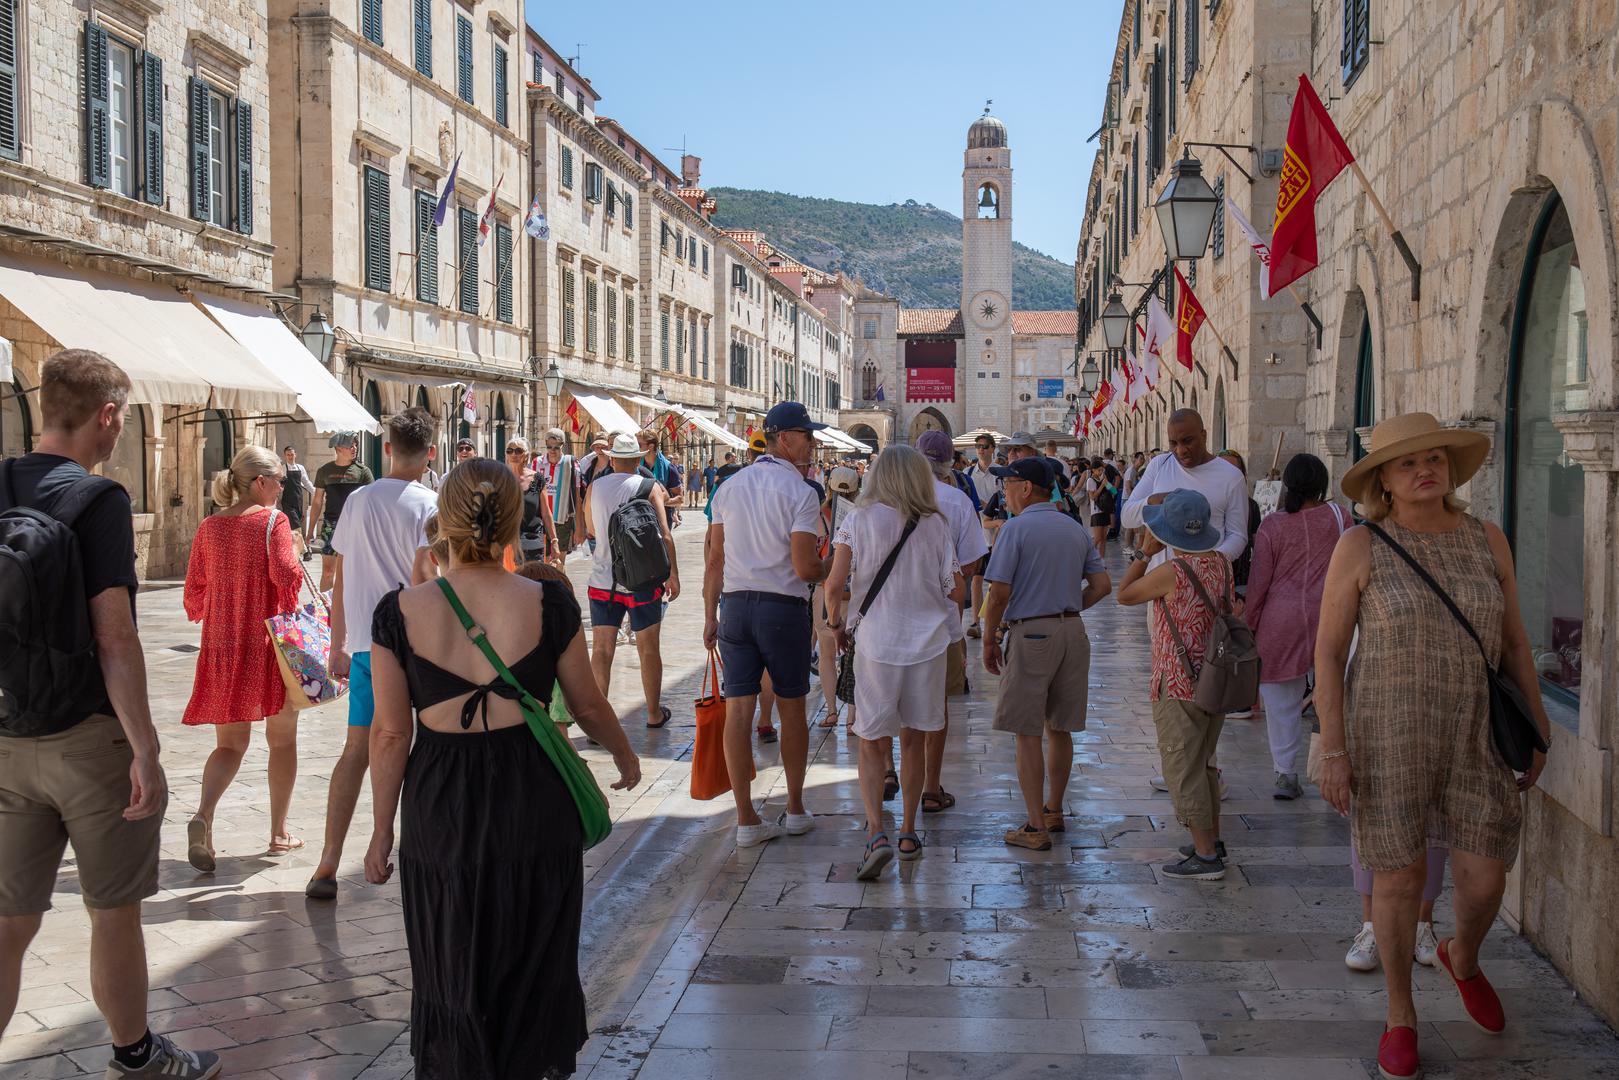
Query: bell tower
column 986, row 274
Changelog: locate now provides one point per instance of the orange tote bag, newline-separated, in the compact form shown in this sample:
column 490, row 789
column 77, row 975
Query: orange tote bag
column 709, row 777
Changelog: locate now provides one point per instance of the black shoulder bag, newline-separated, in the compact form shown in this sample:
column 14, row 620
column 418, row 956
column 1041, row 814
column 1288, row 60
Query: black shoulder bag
column 1512, row 726
column 845, row 687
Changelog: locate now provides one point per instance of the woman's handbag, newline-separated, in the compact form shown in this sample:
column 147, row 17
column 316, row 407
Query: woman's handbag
column 845, row 687
column 1512, row 725
column 576, row 775
column 302, row 642
column 709, row 776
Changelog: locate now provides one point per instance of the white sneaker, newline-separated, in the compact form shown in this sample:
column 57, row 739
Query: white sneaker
column 1240, row 714
column 797, row 824
column 1427, row 946
column 1158, row 784
column 1362, row 955
column 754, row 835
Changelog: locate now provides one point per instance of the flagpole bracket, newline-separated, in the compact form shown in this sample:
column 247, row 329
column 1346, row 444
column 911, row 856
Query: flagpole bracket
column 1411, row 264
column 1236, row 372
column 1315, row 321
column 1225, row 149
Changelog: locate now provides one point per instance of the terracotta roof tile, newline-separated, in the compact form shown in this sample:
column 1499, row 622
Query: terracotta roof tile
column 930, row 321
column 1046, row 322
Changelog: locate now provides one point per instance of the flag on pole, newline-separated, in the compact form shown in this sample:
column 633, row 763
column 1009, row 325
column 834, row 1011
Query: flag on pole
column 672, row 426
column 572, row 413
column 1138, row 387
column 1103, row 397
column 1189, row 319
column 879, row 392
column 1160, row 328
column 1315, row 153
column 443, row 206
column 534, row 223
column 1261, row 249
column 469, row 406
column 489, row 212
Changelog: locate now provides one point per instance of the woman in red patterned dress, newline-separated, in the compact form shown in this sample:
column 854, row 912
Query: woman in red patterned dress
column 243, row 570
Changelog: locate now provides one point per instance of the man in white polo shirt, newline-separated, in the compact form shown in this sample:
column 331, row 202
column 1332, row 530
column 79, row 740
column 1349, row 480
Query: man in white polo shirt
column 761, row 559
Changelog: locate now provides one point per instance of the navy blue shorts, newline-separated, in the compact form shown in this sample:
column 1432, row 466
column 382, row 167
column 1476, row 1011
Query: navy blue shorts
column 645, row 608
column 765, row 632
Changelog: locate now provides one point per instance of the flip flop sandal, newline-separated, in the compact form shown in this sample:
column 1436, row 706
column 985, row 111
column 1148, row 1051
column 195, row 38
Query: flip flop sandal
column 890, row 785
column 664, row 712
column 283, row 845
column 831, row 720
column 915, row 853
column 879, row 853
column 200, row 849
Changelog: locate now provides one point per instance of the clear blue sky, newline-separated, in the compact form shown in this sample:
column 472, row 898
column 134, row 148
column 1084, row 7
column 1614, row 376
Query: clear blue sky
column 865, row 101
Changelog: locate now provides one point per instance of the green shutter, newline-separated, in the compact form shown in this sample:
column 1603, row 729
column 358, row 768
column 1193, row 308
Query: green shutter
column 663, row 339
column 503, row 270
column 375, row 194
column 567, row 167
column 197, row 92
column 424, row 37
column 567, row 308
column 244, row 167
column 463, row 58
column 151, row 127
column 629, row 325
column 592, row 301
column 500, row 86
column 97, row 111
column 612, row 321
column 10, row 106
column 467, row 240
column 1194, row 21
column 426, row 249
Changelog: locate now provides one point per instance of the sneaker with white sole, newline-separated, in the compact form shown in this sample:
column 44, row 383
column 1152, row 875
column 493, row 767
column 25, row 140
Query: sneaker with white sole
column 797, row 824
column 1287, row 786
column 1196, row 868
column 1159, row 784
column 754, row 835
column 168, row 1062
column 1362, row 955
column 1240, row 714
column 1427, row 953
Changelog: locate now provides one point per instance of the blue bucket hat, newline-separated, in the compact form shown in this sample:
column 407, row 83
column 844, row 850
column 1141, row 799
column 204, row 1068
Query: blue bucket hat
column 1181, row 521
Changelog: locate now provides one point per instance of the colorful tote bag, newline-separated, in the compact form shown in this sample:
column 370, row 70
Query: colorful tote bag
column 302, row 639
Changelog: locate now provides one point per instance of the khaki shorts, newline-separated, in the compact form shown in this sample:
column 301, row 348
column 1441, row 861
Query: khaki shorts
column 1046, row 678
column 73, row 787
column 955, row 668
column 1187, row 737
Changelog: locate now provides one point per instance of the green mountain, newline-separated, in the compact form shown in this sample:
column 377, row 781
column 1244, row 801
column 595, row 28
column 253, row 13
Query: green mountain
column 907, row 250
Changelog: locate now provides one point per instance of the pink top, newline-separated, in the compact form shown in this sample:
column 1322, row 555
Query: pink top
column 1193, row 618
column 1291, row 552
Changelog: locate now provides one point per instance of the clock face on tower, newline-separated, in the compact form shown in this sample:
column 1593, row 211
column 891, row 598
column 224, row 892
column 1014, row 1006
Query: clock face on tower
column 988, row 308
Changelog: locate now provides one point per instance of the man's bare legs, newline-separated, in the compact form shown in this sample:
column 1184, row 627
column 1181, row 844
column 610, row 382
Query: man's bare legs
column 646, row 646
column 118, row 971
column 603, row 644
column 794, row 749
column 767, row 703
column 16, row 931
column 1059, row 767
column 347, row 776
column 739, row 754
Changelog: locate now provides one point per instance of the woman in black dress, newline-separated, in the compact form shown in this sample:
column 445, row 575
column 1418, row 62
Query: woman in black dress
column 491, row 852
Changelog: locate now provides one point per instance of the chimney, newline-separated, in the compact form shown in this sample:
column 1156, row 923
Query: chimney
column 691, row 170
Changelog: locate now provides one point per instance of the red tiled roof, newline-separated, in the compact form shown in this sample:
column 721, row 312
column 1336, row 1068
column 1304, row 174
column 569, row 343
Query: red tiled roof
column 930, row 321
column 1046, row 322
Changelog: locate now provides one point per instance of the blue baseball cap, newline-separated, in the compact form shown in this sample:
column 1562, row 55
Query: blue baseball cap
column 1181, row 521
column 790, row 416
column 1036, row 470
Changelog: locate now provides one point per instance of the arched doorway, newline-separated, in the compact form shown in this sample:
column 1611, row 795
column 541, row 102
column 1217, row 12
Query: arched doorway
column 1547, row 375
column 1365, row 387
column 217, row 449
column 865, row 434
column 1217, row 425
column 928, row 420
column 499, row 448
column 371, row 445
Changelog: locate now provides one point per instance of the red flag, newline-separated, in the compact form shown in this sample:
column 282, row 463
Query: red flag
column 1314, row 154
column 1104, row 395
column 672, row 426
column 749, row 433
column 572, row 413
column 1189, row 319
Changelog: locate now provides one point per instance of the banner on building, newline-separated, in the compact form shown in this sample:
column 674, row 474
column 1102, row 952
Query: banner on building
column 1048, row 388
column 1314, row 154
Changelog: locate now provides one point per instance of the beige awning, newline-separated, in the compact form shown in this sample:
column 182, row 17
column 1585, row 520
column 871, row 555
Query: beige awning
column 171, row 351
column 713, row 430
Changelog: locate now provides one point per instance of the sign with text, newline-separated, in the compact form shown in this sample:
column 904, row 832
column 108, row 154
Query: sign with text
column 930, row 384
column 1049, row 388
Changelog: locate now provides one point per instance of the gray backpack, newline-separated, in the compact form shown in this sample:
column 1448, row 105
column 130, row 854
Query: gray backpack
column 1229, row 678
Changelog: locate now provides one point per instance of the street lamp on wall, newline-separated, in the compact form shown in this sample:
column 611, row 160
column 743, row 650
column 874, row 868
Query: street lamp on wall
column 1186, row 210
column 319, row 337
column 553, row 380
column 1091, row 377
column 1115, row 325
column 730, row 416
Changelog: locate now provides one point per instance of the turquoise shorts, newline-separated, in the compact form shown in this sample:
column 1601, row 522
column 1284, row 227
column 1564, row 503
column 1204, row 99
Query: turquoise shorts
column 361, row 701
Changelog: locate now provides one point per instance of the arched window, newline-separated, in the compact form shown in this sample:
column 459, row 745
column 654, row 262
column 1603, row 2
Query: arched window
column 989, row 201
column 371, row 445
column 868, row 381
column 1365, row 387
column 1545, row 490
column 16, row 423
column 128, row 462
column 216, row 451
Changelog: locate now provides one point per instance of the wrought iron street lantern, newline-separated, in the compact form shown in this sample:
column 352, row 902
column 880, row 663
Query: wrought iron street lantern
column 1115, row 326
column 730, row 416
column 319, row 337
column 1186, row 210
column 1091, row 377
column 553, row 380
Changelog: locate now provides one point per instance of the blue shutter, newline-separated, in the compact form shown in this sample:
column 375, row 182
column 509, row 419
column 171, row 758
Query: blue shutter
column 467, row 239
column 503, row 271
column 371, row 21
column 424, row 37
column 426, row 249
column 377, row 231
column 463, row 58
column 244, row 167
column 197, row 92
column 10, row 111
column 97, row 111
column 151, row 127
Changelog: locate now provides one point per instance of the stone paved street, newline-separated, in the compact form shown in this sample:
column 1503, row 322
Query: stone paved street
column 704, row 962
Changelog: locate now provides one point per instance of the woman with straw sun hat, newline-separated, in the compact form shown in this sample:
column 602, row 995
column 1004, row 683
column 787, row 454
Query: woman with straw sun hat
column 1407, row 729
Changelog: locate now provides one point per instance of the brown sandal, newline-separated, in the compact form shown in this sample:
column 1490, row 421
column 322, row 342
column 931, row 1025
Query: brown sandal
column 942, row 800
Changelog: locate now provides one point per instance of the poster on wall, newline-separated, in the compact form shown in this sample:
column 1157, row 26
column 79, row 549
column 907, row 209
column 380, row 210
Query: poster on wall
column 1049, row 388
column 930, row 370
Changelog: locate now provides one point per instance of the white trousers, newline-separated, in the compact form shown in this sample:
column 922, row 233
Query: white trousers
column 1284, row 721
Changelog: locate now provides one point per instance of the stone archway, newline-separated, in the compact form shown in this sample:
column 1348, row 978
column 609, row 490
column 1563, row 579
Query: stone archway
column 929, row 419
column 865, row 434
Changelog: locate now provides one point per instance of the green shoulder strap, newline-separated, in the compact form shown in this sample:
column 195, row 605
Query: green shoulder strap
column 480, row 639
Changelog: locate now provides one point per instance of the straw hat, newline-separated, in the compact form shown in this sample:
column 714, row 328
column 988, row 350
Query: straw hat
column 1400, row 435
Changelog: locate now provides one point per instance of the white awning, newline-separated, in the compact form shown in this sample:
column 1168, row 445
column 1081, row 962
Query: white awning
column 608, row 413
column 171, row 351
column 650, row 403
column 320, row 395
column 713, row 430
column 833, row 437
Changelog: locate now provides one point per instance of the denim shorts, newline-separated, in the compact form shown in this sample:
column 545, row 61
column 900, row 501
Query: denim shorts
column 645, row 608
column 765, row 632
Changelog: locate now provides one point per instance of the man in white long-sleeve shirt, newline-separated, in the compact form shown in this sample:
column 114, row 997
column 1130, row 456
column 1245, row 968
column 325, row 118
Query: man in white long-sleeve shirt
column 1190, row 465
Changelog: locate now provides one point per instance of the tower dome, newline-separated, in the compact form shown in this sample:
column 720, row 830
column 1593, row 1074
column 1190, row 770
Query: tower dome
column 986, row 131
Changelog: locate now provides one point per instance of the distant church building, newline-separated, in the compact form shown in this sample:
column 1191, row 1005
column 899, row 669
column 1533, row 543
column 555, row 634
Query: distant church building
column 984, row 364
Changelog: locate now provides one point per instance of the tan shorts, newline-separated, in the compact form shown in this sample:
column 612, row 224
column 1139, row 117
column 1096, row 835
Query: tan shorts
column 1187, row 737
column 955, row 668
column 73, row 787
column 1046, row 678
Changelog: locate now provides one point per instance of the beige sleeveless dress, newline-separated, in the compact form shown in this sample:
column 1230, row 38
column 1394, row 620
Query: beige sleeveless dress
column 1417, row 714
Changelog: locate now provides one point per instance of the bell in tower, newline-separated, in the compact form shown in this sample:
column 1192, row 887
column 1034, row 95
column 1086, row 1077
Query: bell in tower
column 989, row 205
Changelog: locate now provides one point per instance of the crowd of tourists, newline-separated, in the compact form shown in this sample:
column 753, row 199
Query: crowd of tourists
column 1370, row 649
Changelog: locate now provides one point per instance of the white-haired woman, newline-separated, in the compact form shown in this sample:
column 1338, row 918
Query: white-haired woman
column 1407, row 748
column 901, row 623
column 243, row 570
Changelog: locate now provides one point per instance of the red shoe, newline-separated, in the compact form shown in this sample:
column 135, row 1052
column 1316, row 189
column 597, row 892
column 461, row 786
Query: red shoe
column 1478, row 996
column 1397, row 1054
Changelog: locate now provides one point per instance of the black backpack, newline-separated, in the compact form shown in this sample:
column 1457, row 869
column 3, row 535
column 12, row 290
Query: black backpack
column 635, row 539
column 49, row 672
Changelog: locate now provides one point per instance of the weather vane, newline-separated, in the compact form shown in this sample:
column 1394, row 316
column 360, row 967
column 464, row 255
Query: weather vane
column 987, row 103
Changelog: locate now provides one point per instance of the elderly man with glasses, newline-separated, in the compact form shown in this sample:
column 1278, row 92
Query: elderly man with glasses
column 561, row 488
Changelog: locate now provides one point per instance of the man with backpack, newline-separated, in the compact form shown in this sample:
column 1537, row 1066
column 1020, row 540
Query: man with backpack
column 633, row 570
column 78, row 752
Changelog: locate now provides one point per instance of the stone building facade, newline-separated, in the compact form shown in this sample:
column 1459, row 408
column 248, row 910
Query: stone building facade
column 133, row 164
column 376, row 105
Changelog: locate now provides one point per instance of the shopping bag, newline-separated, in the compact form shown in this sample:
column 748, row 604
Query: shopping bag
column 302, row 640
column 709, row 776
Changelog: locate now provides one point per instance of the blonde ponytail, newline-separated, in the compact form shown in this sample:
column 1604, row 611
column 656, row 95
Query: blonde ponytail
column 250, row 463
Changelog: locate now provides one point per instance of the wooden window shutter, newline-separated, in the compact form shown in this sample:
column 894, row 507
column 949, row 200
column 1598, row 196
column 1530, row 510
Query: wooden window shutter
column 663, row 339
column 97, row 110
column 612, row 321
column 1357, row 42
column 568, row 337
column 1194, row 25
column 592, row 308
column 426, row 249
column 503, row 273
column 500, row 86
column 376, row 228
column 197, row 92
column 151, row 126
column 567, row 167
column 422, row 32
column 467, row 240
column 244, row 167
column 705, row 350
column 1171, row 84
column 680, row 346
column 629, row 325
column 10, row 85
column 463, row 58
column 371, row 21
column 1219, row 218
column 629, row 203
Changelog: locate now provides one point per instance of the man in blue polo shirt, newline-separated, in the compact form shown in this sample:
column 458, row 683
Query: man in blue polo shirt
column 1043, row 572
